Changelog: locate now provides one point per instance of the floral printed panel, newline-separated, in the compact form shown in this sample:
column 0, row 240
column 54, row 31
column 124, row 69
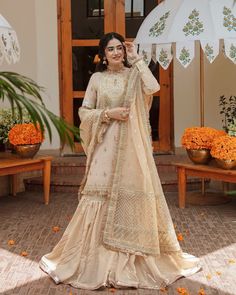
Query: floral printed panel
column 9, row 46
column 164, row 55
column 146, row 52
column 211, row 49
column 194, row 26
column 185, row 52
column 230, row 49
column 229, row 20
column 158, row 28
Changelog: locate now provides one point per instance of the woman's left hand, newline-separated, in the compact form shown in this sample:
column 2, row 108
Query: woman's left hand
column 131, row 50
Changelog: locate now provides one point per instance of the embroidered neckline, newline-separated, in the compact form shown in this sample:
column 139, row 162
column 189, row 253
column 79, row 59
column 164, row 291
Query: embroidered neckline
column 120, row 70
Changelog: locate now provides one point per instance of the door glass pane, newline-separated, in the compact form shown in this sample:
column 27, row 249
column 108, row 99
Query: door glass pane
column 95, row 8
column 83, row 66
column 154, row 117
column 87, row 21
column 154, row 112
column 135, row 12
column 134, row 8
column 77, row 103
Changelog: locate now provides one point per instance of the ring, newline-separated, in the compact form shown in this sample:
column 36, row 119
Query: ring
column 123, row 114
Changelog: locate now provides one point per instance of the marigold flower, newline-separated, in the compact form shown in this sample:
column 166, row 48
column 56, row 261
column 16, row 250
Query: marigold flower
column 26, row 133
column 224, row 147
column 200, row 137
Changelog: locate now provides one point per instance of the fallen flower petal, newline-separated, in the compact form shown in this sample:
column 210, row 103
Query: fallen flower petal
column 113, row 290
column 180, row 237
column 56, row 229
column 182, row 291
column 218, row 273
column 24, row 253
column 208, row 277
column 11, row 242
column 201, row 292
column 231, row 261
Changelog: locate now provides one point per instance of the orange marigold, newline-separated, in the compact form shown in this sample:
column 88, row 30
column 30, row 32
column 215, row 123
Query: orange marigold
column 224, row 147
column 25, row 134
column 200, row 137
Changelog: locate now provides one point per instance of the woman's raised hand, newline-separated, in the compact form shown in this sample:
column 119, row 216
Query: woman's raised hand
column 119, row 113
column 131, row 50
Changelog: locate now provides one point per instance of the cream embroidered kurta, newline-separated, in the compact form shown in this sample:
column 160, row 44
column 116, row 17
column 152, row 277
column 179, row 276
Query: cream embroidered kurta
column 94, row 251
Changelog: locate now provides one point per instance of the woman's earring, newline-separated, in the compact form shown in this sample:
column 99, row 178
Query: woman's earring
column 104, row 61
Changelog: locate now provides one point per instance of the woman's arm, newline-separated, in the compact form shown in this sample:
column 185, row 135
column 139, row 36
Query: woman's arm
column 150, row 84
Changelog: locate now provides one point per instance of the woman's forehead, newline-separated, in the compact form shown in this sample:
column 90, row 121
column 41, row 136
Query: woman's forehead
column 114, row 42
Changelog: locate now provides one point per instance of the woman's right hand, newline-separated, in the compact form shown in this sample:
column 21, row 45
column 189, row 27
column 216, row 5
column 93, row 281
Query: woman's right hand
column 119, row 113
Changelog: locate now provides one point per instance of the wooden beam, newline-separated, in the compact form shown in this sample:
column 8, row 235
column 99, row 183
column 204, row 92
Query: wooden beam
column 87, row 42
column 109, row 9
column 66, row 61
column 120, row 15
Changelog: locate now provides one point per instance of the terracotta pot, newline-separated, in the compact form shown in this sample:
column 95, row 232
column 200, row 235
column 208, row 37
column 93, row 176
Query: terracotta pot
column 201, row 156
column 27, row 150
column 225, row 164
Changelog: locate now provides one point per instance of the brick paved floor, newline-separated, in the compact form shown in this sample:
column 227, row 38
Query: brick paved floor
column 209, row 233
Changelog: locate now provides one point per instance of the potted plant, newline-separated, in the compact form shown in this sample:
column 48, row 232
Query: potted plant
column 26, row 139
column 198, row 142
column 23, row 92
column 228, row 110
column 224, row 151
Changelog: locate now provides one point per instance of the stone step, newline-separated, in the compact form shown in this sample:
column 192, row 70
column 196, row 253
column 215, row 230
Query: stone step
column 76, row 165
column 71, row 182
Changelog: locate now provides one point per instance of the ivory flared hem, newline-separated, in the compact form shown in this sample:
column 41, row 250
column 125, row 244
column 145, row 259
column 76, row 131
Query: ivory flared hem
column 81, row 260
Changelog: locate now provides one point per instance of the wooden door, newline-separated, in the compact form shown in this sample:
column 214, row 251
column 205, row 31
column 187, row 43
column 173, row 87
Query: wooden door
column 80, row 25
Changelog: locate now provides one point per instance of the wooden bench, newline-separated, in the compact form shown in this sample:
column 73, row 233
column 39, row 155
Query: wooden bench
column 201, row 171
column 11, row 164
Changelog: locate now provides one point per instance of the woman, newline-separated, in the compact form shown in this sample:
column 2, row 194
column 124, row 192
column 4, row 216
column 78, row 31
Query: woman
column 121, row 233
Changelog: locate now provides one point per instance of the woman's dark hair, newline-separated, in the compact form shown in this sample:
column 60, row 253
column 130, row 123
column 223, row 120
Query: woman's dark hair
column 101, row 50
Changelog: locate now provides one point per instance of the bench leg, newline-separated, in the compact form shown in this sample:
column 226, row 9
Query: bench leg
column 46, row 180
column 14, row 184
column 182, row 186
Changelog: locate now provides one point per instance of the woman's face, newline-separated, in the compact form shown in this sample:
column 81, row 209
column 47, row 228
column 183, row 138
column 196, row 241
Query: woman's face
column 114, row 52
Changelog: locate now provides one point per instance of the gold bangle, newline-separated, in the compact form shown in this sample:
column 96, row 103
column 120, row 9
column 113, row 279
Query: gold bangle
column 107, row 119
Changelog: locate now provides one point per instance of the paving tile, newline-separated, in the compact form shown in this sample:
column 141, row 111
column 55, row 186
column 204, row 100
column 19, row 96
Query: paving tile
column 209, row 233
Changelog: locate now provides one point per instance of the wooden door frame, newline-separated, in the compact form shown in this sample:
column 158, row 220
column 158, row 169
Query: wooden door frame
column 112, row 8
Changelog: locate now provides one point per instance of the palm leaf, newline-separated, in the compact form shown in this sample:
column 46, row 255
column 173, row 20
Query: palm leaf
column 23, row 92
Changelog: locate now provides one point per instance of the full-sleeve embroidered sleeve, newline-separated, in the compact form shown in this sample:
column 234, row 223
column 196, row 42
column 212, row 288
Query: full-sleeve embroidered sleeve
column 149, row 82
column 90, row 97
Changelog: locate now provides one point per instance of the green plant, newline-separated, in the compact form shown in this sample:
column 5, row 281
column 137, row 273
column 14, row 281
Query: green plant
column 228, row 110
column 24, row 93
column 8, row 119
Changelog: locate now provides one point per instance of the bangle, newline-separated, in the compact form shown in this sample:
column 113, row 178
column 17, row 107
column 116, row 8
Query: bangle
column 106, row 118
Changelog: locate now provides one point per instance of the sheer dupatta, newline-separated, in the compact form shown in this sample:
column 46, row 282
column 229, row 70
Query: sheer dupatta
column 138, row 219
